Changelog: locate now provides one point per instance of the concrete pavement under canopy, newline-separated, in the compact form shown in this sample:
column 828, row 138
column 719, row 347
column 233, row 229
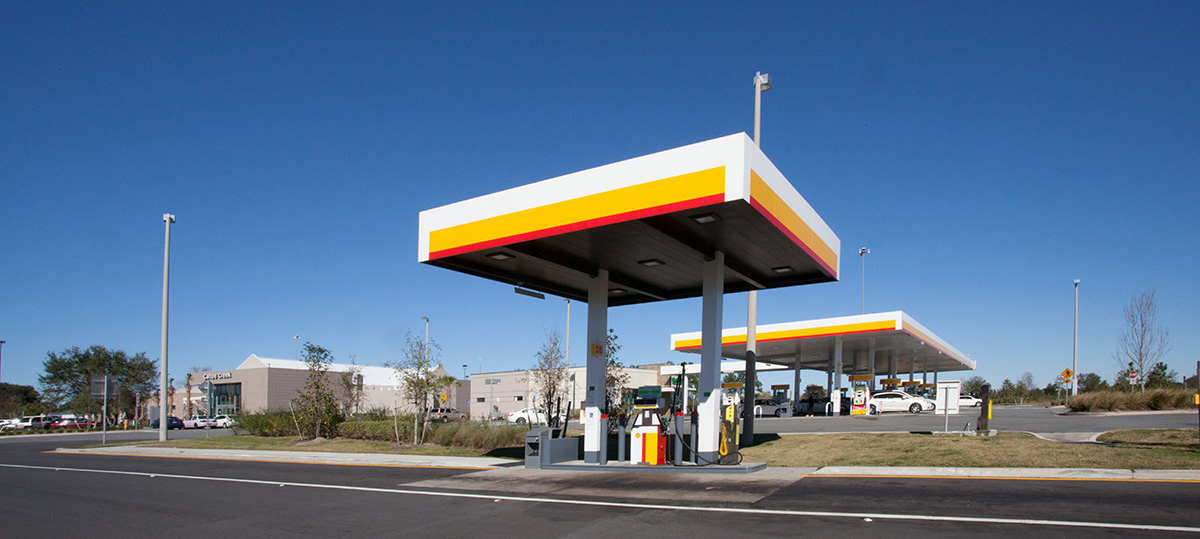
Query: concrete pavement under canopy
column 700, row 220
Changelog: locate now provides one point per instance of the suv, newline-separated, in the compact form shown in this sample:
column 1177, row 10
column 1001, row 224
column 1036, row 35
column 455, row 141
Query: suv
column 445, row 414
column 32, row 422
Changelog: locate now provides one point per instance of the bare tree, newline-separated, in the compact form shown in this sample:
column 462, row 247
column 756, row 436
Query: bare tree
column 1144, row 342
column 421, row 380
column 549, row 374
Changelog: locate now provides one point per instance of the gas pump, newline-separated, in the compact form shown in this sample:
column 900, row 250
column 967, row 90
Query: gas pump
column 731, row 403
column 861, row 394
column 648, row 440
column 779, row 393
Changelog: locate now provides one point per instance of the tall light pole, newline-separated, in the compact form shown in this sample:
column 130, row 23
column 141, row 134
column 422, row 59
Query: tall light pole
column 862, row 253
column 2, row 345
column 426, row 319
column 297, row 339
column 1075, row 348
column 162, row 374
column 762, row 83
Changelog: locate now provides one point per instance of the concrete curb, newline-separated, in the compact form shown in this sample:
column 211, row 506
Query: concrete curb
column 1012, row 473
column 303, row 457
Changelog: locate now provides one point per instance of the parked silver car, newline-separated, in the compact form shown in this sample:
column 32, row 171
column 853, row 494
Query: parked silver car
column 898, row 401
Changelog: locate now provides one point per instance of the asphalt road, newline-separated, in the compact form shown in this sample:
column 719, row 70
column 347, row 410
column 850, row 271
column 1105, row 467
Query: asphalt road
column 60, row 495
column 1038, row 419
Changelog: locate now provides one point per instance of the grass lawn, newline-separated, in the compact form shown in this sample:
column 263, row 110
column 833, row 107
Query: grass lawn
column 333, row 446
column 1158, row 449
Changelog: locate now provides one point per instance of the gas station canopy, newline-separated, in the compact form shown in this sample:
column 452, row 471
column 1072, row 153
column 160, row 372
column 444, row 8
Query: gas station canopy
column 811, row 343
column 651, row 221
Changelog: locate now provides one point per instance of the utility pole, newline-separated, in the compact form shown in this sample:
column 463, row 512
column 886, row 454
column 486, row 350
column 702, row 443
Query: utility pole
column 862, row 253
column 162, row 375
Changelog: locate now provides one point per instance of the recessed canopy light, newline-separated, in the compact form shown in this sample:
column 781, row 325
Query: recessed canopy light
column 616, row 290
column 783, row 270
column 651, row 262
column 500, row 256
column 705, row 218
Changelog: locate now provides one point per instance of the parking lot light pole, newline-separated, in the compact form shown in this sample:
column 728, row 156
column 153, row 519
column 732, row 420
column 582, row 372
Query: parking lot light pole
column 862, row 253
column 762, row 83
column 1075, row 348
column 162, row 375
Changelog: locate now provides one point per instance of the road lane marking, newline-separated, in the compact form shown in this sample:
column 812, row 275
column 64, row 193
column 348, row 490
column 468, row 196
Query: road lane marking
column 640, row 506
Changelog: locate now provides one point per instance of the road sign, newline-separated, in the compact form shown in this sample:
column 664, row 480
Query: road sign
column 100, row 386
column 443, row 397
column 1066, row 374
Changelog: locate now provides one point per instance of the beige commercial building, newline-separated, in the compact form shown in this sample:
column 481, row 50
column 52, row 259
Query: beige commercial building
column 270, row 384
column 498, row 393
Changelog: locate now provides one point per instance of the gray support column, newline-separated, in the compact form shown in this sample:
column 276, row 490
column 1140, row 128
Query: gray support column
column 748, row 393
column 892, row 364
column 836, row 398
column 796, row 387
column 708, row 395
column 597, row 338
column 871, row 364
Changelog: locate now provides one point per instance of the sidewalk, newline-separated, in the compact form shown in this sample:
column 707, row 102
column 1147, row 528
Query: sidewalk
column 513, row 469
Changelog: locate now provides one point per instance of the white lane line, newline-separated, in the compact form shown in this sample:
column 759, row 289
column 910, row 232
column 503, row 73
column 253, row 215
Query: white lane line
column 629, row 505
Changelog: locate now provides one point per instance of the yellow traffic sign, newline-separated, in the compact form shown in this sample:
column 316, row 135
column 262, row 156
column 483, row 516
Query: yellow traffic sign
column 443, row 397
column 1066, row 374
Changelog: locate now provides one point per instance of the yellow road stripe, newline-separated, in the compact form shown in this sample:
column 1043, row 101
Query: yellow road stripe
column 1110, row 479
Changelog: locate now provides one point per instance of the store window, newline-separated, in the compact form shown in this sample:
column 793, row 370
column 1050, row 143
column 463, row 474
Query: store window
column 227, row 398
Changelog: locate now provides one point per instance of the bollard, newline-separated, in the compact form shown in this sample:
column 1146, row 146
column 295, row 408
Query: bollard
column 692, row 431
column 603, row 439
column 678, row 428
column 985, row 409
column 620, row 438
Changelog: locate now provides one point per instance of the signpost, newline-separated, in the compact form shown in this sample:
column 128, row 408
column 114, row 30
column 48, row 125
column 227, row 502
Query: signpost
column 206, row 388
column 102, row 389
column 490, row 382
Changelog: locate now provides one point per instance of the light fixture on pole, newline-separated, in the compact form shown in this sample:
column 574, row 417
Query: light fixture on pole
column 162, row 375
column 297, row 339
column 762, row 83
column 862, row 253
column 1075, row 348
column 2, row 348
column 464, row 372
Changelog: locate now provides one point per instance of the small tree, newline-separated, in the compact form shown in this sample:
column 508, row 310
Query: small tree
column 420, row 380
column 973, row 385
column 316, row 408
column 1161, row 376
column 351, row 390
column 549, row 373
column 1090, row 381
column 1144, row 342
column 615, row 377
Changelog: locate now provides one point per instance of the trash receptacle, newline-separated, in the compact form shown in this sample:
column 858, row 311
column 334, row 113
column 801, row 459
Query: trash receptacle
column 534, row 439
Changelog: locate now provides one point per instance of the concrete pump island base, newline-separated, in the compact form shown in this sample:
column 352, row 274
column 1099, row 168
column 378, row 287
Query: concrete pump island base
column 700, row 220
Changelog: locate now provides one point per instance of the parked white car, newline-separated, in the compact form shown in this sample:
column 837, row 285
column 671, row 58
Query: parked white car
column 222, row 421
column 898, row 401
column 530, row 415
column 768, row 407
column 967, row 401
column 198, row 422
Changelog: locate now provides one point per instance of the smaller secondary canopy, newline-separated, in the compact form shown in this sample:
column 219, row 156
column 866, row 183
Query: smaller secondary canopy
column 650, row 221
column 811, row 344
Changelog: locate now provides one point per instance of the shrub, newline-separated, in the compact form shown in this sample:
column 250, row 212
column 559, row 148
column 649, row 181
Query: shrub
column 1152, row 399
column 266, row 423
column 379, row 430
column 454, row 434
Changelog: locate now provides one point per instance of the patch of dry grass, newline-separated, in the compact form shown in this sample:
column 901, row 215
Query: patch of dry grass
column 289, row 444
column 1006, row 450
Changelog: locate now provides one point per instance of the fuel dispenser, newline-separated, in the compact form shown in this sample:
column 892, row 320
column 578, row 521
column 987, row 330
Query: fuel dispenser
column 861, row 395
column 731, row 402
column 648, row 440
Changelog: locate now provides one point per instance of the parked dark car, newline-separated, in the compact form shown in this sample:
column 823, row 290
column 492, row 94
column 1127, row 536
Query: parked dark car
column 172, row 423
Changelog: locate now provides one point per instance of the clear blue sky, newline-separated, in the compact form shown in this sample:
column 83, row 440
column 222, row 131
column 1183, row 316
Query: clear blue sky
column 987, row 153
